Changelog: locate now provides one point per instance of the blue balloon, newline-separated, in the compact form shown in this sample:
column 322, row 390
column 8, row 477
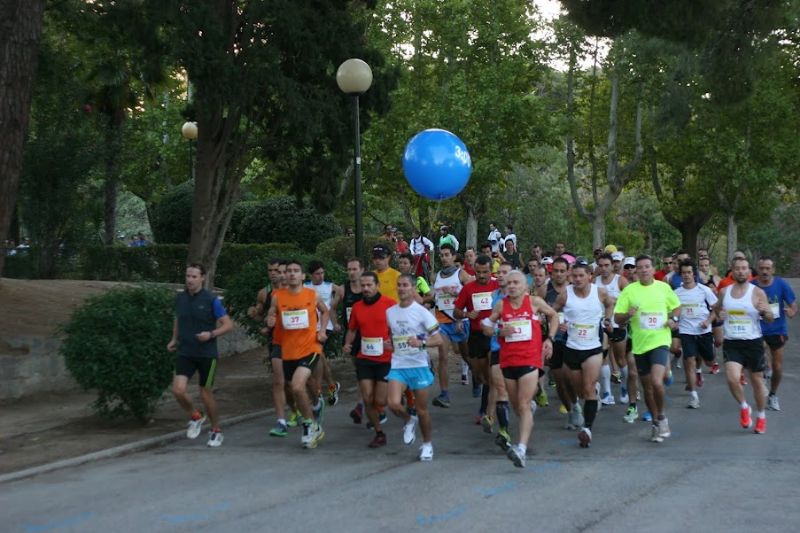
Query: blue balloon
column 437, row 164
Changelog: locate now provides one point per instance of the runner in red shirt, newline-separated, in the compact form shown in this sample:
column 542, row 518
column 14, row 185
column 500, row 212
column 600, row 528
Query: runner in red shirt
column 522, row 351
column 475, row 302
column 374, row 354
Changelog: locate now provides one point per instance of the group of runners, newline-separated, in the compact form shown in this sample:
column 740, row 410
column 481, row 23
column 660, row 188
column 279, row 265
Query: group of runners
column 616, row 319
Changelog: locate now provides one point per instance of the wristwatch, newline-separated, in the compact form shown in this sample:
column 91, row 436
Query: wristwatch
column 675, row 319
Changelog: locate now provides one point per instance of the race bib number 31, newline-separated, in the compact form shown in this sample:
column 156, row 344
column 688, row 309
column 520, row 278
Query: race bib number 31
column 295, row 319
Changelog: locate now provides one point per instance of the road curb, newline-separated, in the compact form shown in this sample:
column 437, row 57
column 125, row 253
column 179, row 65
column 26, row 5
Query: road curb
column 116, row 451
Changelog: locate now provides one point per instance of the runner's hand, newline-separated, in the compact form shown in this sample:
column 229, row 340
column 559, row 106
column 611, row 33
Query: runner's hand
column 322, row 336
column 172, row 346
column 472, row 315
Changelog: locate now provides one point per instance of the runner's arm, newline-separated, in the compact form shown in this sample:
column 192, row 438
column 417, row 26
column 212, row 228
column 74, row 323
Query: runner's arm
column 256, row 312
column 761, row 303
column 549, row 312
column 488, row 325
column 173, row 342
column 560, row 302
column 272, row 313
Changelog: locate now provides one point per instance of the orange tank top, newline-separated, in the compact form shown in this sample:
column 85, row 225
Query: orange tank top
column 296, row 323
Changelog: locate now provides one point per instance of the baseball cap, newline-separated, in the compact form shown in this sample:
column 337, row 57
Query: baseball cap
column 547, row 260
column 629, row 261
column 381, row 250
column 610, row 249
column 617, row 256
column 580, row 260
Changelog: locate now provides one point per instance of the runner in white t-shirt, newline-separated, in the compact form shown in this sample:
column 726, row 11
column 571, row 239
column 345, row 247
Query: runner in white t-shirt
column 413, row 329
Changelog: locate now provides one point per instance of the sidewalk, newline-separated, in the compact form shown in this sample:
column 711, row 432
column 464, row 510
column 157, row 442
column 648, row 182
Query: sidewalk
column 49, row 428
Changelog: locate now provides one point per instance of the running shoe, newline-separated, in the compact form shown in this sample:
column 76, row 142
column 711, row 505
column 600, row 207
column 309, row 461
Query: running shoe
column 333, row 393
column 743, row 380
column 503, row 439
column 294, row 419
column 357, row 413
column 476, row 390
column 412, row 411
column 744, row 417
column 575, row 419
column 647, row 416
column 715, row 368
column 487, row 422
column 410, row 431
column 608, row 399
column 563, row 409
column 698, row 379
column 772, row 403
column 378, row 441
column 307, row 436
column 623, row 395
column 443, row 400
column 214, row 438
column 694, row 403
column 663, row 428
column 464, row 379
column 541, row 398
column 616, row 377
column 516, row 456
column 195, row 425
column 631, row 414
column 279, row 430
column 668, row 378
column 678, row 362
column 426, row 452
column 655, row 434
column 317, row 434
column 585, row 437
column 761, row 425
column 578, row 409
column 319, row 410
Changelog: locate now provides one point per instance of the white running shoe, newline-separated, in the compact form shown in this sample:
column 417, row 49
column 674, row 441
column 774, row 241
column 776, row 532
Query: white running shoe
column 426, row 452
column 517, row 456
column 694, row 403
column 772, row 403
column 585, row 437
column 410, row 431
column 214, row 439
column 195, row 427
column 663, row 428
column 655, row 434
column 623, row 395
column 608, row 399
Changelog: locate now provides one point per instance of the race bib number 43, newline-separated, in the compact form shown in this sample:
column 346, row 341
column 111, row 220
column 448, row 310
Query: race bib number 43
column 520, row 330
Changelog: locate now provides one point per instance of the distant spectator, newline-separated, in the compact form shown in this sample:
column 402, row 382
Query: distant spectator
column 401, row 246
column 139, row 241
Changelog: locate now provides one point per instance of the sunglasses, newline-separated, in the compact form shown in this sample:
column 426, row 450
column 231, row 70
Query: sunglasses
column 629, row 267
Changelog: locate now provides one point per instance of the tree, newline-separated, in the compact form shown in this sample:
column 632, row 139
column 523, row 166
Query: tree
column 468, row 67
column 263, row 76
column 20, row 30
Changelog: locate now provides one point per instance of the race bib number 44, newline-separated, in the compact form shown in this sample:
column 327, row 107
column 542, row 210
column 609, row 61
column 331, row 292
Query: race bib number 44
column 295, row 319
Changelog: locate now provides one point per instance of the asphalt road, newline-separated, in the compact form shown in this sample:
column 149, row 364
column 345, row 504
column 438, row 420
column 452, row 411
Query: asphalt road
column 711, row 475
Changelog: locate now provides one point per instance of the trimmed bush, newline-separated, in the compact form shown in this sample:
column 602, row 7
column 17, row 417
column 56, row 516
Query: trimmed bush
column 171, row 217
column 282, row 220
column 116, row 345
column 342, row 248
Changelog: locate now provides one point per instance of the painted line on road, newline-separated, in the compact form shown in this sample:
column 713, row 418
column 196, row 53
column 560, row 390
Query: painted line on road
column 494, row 491
column 455, row 512
column 197, row 517
column 124, row 449
column 70, row 521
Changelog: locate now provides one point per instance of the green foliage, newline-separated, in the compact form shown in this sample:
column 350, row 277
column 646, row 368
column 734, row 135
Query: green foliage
column 172, row 215
column 341, row 248
column 115, row 344
column 166, row 263
column 281, row 220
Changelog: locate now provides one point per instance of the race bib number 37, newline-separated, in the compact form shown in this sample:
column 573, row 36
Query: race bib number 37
column 295, row 319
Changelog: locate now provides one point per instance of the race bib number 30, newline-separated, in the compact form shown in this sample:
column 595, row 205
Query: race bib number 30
column 482, row 301
column 295, row 319
column 372, row 346
column 520, row 330
column 652, row 320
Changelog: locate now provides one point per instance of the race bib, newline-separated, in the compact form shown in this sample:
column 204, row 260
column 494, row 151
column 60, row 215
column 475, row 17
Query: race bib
column 520, row 330
column 401, row 346
column 482, row 301
column 295, row 319
column 584, row 334
column 689, row 310
column 738, row 325
column 372, row 346
column 776, row 309
column 445, row 302
column 652, row 321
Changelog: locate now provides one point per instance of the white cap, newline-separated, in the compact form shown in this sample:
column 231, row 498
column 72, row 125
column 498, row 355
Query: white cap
column 629, row 261
column 547, row 260
column 617, row 256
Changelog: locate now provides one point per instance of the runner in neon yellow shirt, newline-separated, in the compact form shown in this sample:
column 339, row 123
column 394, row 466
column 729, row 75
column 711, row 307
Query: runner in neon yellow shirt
column 651, row 307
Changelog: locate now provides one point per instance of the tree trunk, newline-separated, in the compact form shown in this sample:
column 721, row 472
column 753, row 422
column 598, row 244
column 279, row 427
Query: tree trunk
column 472, row 228
column 20, row 30
column 689, row 231
column 216, row 188
column 598, row 230
column 733, row 236
column 111, row 186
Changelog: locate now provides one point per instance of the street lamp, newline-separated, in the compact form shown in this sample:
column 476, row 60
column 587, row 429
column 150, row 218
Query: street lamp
column 354, row 78
column 189, row 132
